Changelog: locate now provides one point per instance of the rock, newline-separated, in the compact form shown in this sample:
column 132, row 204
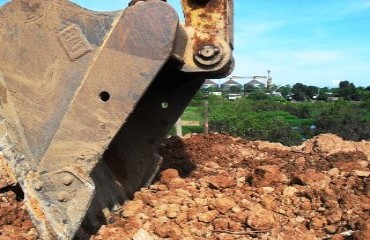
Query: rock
column 221, row 224
column 142, row 235
column 177, row 183
column 222, row 181
column 260, row 219
column 224, row 204
column 289, row 191
column 182, row 217
column 364, row 164
column 174, row 231
column 335, row 217
column 331, row 229
column 268, row 175
column 236, row 226
column 159, row 187
column 318, row 222
column 321, row 209
column 132, row 208
column 337, row 237
column 212, row 165
column 299, row 219
column 173, row 211
column 241, row 216
column 362, row 235
column 268, row 189
column 192, row 214
column 183, row 193
column 306, row 205
column 134, row 223
column 168, row 175
column 362, row 173
column 162, row 231
column 314, row 179
column 300, row 162
column 268, row 202
column 209, row 216
column 334, row 172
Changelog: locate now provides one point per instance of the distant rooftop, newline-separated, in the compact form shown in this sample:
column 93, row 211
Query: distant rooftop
column 231, row 82
column 209, row 82
column 254, row 82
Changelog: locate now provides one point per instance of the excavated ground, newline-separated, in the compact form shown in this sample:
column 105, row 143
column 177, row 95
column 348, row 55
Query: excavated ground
column 228, row 188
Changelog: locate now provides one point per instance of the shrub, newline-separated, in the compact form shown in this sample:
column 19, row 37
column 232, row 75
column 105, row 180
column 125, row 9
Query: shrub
column 343, row 119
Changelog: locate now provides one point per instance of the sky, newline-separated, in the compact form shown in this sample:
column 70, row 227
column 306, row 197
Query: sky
column 315, row 42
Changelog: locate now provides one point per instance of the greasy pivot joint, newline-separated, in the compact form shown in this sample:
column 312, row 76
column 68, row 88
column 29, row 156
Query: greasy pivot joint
column 209, row 55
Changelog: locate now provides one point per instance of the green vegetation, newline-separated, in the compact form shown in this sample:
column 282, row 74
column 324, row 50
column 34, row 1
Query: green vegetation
column 261, row 117
column 194, row 113
column 261, row 114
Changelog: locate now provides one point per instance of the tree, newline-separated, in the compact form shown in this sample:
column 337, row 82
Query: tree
column 235, row 89
column 248, row 88
column 323, row 93
column 212, row 89
column 258, row 96
column 312, row 91
column 344, row 119
column 285, row 90
column 347, row 90
column 300, row 92
column 362, row 94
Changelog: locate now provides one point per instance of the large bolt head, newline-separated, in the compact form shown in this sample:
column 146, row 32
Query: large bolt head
column 67, row 180
column 38, row 186
column 62, row 196
column 209, row 55
column 208, row 51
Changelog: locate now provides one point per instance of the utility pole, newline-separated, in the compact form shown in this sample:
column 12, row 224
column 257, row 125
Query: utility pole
column 268, row 80
column 206, row 124
column 179, row 127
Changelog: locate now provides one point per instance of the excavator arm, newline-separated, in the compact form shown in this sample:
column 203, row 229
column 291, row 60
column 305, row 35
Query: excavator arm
column 87, row 97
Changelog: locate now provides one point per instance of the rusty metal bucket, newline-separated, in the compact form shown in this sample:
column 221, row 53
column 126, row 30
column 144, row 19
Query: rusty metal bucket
column 85, row 100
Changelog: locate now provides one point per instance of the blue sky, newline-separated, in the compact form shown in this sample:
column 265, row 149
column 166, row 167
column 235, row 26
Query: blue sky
column 315, row 42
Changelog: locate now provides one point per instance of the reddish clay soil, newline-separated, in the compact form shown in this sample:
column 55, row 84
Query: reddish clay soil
column 228, row 188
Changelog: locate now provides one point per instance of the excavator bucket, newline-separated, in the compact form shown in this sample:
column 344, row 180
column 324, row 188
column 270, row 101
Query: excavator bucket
column 87, row 97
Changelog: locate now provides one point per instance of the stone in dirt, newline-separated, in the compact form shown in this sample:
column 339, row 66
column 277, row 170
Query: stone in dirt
column 168, row 175
column 222, row 181
column 142, row 235
column 224, row 204
column 261, row 219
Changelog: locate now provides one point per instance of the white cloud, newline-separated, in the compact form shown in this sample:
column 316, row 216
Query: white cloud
column 248, row 32
column 317, row 56
column 310, row 67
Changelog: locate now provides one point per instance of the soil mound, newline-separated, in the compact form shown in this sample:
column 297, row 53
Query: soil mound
column 223, row 187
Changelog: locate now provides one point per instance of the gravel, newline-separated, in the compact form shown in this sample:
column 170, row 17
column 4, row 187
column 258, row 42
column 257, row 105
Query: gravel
column 223, row 187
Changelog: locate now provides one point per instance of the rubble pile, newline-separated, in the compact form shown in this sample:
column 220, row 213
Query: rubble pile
column 223, row 187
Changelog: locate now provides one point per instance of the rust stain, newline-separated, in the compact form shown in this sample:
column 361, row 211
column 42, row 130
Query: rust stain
column 210, row 19
column 188, row 19
column 199, row 42
column 37, row 210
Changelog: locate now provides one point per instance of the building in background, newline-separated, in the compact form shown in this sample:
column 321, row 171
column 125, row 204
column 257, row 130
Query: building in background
column 254, row 84
column 226, row 86
column 209, row 84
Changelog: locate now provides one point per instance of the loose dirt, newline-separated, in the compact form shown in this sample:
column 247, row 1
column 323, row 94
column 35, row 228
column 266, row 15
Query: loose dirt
column 223, row 187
